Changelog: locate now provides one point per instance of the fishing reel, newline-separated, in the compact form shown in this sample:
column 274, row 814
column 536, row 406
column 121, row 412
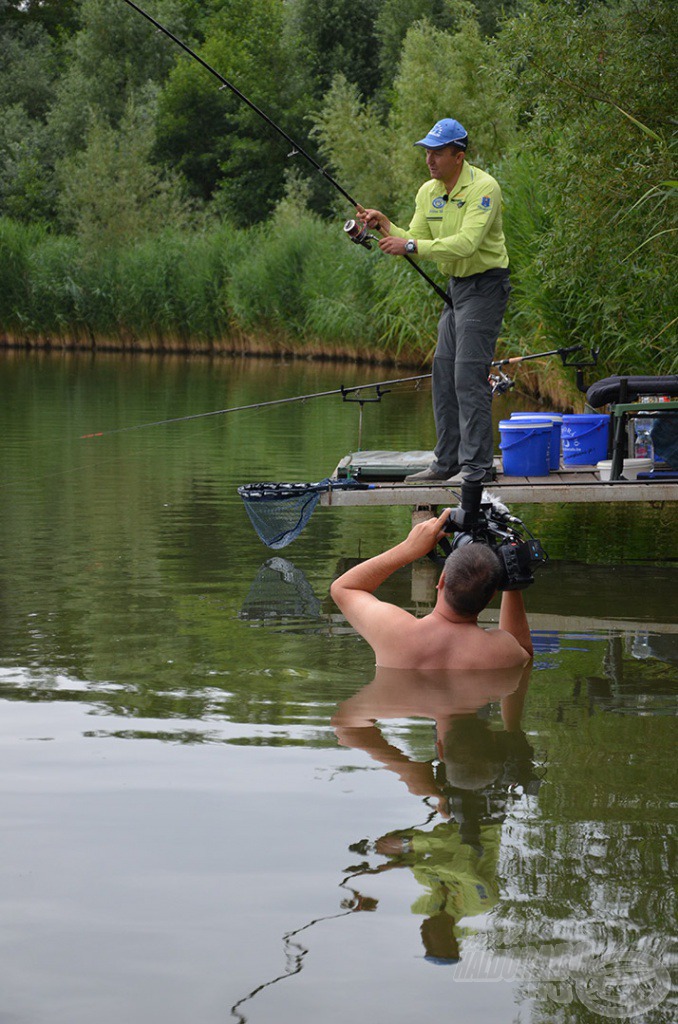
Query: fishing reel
column 483, row 519
column 359, row 234
column 500, row 383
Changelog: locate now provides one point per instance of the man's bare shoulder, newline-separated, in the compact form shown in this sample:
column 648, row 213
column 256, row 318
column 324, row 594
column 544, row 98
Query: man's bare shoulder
column 429, row 643
column 501, row 641
column 382, row 624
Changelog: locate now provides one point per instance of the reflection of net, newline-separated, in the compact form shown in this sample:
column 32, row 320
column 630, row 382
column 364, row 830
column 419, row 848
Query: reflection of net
column 279, row 512
column 280, row 590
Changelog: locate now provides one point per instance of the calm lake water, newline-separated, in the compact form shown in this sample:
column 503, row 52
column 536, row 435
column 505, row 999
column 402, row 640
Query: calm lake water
column 196, row 826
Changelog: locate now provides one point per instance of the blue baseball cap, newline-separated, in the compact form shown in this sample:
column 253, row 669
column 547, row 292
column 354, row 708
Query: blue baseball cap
column 443, row 133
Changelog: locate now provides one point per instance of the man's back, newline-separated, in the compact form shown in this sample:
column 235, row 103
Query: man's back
column 438, row 642
column 449, row 637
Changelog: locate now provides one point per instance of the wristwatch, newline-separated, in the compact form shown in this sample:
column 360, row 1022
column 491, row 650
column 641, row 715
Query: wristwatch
column 410, row 246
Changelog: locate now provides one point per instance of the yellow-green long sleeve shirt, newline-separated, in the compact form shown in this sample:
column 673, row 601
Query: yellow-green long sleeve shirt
column 458, row 880
column 463, row 234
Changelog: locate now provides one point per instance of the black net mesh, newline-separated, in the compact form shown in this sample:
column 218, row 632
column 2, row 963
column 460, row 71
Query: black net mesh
column 279, row 512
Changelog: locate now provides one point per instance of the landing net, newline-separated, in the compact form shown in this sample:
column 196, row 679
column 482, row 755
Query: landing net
column 279, row 512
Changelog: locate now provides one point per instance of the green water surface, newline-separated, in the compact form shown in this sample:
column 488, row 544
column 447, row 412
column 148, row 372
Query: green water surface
column 185, row 836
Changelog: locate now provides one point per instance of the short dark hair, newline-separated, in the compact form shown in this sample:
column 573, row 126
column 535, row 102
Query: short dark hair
column 471, row 576
column 471, row 753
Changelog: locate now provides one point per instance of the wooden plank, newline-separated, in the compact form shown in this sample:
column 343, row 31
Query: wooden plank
column 548, row 481
column 515, row 489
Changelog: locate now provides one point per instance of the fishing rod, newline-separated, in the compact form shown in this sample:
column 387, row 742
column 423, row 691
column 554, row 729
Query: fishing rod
column 261, row 405
column 343, row 391
column 297, row 150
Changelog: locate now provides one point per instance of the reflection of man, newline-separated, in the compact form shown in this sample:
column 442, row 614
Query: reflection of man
column 457, row 222
column 456, row 861
column 449, row 637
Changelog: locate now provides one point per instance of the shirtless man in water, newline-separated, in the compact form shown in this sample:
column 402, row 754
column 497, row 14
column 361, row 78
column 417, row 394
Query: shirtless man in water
column 449, row 637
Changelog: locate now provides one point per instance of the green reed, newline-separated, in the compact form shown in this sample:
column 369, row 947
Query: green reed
column 297, row 285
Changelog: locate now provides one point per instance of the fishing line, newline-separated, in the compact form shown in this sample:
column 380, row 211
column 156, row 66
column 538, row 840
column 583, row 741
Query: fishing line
column 295, row 952
column 296, row 148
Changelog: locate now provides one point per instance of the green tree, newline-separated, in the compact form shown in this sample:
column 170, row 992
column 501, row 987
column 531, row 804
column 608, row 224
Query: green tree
column 57, row 17
column 596, row 103
column 331, row 37
column 28, row 74
column 224, row 149
column 111, row 59
column 110, row 192
column 28, row 70
column 27, row 186
column 492, row 13
column 357, row 143
column 393, row 21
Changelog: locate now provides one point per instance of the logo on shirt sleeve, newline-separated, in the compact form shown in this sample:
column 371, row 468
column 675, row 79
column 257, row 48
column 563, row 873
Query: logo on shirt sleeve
column 486, row 203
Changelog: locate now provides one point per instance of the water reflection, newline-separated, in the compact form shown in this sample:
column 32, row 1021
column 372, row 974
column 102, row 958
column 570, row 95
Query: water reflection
column 495, row 904
column 193, row 802
column 281, row 592
column 636, row 677
column 476, row 774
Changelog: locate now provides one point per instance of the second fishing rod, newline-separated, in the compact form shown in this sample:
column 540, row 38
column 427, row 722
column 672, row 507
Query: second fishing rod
column 501, row 384
column 354, row 231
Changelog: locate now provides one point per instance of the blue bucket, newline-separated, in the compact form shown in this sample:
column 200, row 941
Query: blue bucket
column 544, row 417
column 585, row 439
column 525, row 448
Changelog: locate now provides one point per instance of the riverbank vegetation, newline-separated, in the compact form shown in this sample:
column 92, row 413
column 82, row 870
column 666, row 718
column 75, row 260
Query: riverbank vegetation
column 143, row 208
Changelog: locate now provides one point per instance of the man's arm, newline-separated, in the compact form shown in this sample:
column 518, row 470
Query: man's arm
column 353, row 592
column 417, row 775
column 394, row 238
column 513, row 619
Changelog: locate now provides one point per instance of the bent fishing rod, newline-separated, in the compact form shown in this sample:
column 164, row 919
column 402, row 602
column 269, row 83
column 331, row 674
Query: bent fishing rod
column 345, row 392
column 361, row 237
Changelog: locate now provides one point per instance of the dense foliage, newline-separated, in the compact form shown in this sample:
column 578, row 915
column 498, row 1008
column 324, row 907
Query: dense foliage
column 140, row 201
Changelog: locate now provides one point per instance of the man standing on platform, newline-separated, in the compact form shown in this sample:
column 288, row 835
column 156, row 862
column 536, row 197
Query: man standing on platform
column 458, row 223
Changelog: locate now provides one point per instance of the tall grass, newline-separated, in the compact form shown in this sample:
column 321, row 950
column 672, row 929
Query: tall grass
column 296, row 285
column 602, row 282
column 293, row 285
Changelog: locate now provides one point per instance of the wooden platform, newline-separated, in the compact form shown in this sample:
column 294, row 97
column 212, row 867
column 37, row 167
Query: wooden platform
column 567, row 486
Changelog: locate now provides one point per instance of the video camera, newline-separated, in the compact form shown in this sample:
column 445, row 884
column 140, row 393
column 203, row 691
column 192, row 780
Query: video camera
column 483, row 519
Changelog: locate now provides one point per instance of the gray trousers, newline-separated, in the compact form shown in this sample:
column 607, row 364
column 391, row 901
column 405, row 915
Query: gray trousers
column 462, row 397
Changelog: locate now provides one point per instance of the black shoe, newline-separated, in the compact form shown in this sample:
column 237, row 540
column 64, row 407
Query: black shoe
column 427, row 474
column 459, row 478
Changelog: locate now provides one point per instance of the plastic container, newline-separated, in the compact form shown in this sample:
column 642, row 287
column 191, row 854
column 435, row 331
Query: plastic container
column 643, row 447
column 630, row 470
column 585, row 438
column 525, row 447
column 556, row 420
